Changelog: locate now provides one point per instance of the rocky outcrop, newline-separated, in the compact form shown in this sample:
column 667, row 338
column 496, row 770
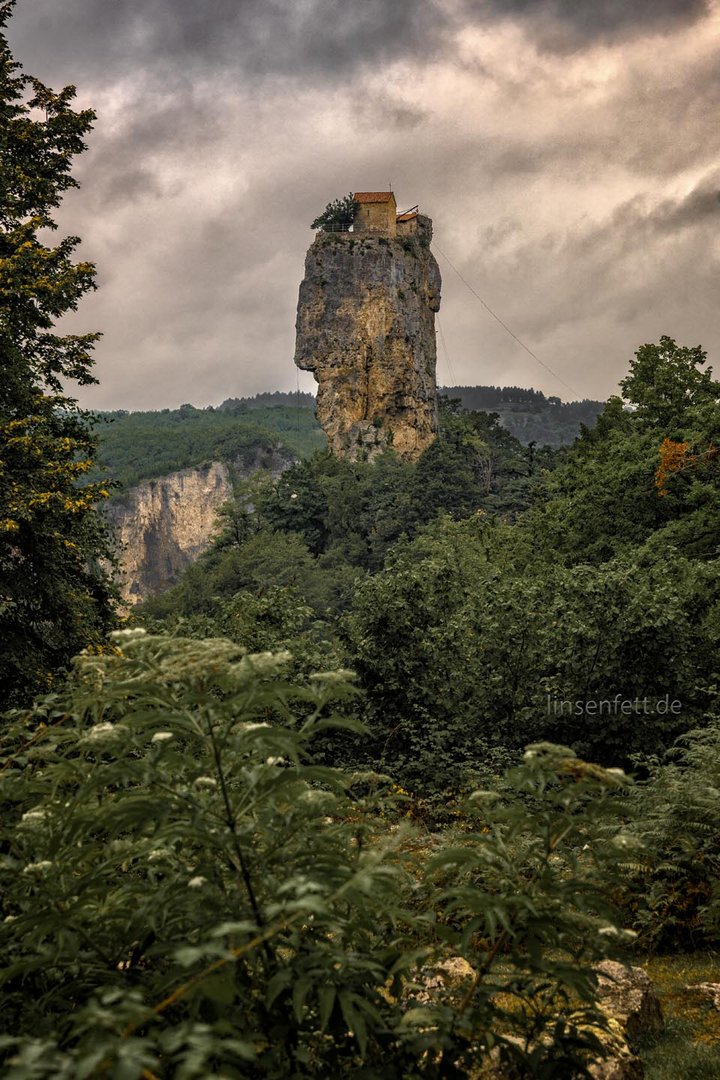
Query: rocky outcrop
column 162, row 525
column 713, row 989
column 628, row 996
column 625, row 995
column 366, row 329
column 620, row 1062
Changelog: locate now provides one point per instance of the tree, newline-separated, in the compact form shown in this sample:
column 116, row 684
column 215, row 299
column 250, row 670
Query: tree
column 55, row 597
column 645, row 473
column 666, row 381
column 339, row 212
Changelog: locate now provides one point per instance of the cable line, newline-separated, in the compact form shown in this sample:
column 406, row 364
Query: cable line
column 505, row 327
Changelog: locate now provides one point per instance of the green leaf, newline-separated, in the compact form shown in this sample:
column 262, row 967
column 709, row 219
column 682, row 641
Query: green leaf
column 220, row 987
column 326, row 1000
column 301, row 989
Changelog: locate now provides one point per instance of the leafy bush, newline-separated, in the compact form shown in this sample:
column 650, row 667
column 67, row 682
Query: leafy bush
column 184, row 893
column 169, row 853
column 523, row 894
column 674, row 891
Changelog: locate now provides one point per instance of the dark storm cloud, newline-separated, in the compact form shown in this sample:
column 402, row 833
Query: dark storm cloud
column 252, row 37
column 700, row 206
column 641, row 261
column 128, row 153
column 641, row 223
column 325, row 38
column 566, row 24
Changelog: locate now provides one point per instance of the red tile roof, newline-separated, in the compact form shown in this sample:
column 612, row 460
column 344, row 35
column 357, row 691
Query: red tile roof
column 408, row 215
column 373, row 196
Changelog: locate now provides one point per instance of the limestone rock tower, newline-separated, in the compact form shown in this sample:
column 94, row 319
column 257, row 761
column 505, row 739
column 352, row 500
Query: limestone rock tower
column 366, row 329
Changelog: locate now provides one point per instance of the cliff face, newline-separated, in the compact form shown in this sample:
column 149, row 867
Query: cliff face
column 366, row 329
column 162, row 525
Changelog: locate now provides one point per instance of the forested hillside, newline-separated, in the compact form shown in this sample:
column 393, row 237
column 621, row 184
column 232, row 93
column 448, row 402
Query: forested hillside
column 528, row 414
column 470, row 588
column 142, row 445
column 136, row 446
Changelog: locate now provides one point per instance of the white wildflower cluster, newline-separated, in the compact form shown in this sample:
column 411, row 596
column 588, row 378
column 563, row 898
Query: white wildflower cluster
column 129, row 634
column 334, row 678
column 103, row 732
column 484, row 796
column 161, row 736
column 197, row 882
column 121, row 845
column 205, row 782
column 265, row 663
column 312, row 795
column 37, row 867
column 157, row 854
column 617, row 931
column 275, row 761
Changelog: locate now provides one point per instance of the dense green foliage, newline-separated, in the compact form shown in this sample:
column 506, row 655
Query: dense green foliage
column 465, row 641
column 674, row 890
column 487, row 593
column 608, row 589
column 327, row 522
column 185, row 892
column 608, row 497
column 142, row 445
column 54, row 597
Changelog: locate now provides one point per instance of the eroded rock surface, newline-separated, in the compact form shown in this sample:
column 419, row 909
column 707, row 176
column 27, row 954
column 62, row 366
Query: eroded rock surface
column 628, row 996
column 366, row 329
column 163, row 525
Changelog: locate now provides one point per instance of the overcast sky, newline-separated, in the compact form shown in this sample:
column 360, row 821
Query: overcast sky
column 567, row 151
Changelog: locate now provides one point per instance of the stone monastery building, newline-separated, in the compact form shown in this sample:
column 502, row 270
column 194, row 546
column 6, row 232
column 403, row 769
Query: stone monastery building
column 378, row 214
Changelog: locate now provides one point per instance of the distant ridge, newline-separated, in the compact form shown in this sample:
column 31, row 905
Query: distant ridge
column 528, row 414
column 276, row 398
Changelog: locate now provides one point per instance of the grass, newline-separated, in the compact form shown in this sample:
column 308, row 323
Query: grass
column 689, row 1048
